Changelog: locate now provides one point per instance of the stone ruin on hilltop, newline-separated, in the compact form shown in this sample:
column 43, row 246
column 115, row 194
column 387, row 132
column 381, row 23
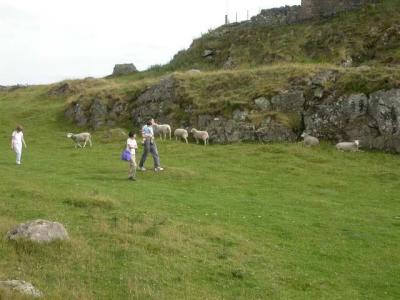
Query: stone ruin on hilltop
column 307, row 10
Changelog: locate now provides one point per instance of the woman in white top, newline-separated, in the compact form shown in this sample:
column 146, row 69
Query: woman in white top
column 17, row 139
column 131, row 146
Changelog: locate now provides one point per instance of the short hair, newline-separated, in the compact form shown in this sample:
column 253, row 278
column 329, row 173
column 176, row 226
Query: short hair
column 131, row 134
column 18, row 128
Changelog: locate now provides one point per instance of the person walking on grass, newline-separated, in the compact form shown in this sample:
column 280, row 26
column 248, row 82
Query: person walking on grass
column 17, row 139
column 149, row 145
column 131, row 146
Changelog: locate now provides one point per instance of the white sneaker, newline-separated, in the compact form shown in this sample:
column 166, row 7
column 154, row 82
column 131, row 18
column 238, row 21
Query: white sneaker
column 142, row 169
column 158, row 169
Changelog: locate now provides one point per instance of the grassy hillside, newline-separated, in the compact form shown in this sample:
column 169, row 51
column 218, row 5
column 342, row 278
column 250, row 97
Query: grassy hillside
column 370, row 36
column 222, row 222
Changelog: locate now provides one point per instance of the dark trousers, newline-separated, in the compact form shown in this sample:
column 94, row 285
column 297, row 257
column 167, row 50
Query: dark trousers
column 152, row 148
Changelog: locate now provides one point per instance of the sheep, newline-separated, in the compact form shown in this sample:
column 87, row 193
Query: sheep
column 203, row 135
column 348, row 146
column 309, row 140
column 163, row 129
column 181, row 133
column 81, row 137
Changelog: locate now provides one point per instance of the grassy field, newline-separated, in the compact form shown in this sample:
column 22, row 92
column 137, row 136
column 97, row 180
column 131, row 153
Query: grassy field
column 243, row 221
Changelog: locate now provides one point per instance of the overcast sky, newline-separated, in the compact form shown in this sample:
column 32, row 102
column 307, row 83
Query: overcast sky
column 45, row 41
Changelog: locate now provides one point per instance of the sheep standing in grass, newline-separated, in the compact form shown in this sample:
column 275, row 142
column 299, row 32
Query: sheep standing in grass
column 200, row 135
column 81, row 137
column 309, row 140
column 162, row 130
column 348, row 146
column 181, row 133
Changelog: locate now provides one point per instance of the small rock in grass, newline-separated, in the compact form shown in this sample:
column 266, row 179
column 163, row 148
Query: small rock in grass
column 20, row 286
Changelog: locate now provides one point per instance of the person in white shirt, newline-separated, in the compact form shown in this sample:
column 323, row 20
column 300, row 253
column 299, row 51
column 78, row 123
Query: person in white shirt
column 131, row 145
column 17, row 139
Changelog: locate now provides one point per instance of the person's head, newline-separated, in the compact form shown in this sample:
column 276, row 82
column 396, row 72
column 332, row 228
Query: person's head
column 18, row 128
column 131, row 134
column 150, row 122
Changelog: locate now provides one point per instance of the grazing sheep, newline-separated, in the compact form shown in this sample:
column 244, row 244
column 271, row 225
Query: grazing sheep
column 309, row 140
column 348, row 146
column 181, row 133
column 81, row 137
column 200, row 135
column 163, row 129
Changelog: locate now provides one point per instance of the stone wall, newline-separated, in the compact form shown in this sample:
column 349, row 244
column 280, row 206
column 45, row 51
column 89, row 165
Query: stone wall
column 278, row 16
column 308, row 9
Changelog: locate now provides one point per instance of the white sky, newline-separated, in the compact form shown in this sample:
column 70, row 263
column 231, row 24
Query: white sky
column 43, row 41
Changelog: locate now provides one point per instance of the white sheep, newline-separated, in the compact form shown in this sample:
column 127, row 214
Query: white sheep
column 200, row 135
column 181, row 133
column 162, row 130
column 348, row 146
column 81, row 137
column 309, row 140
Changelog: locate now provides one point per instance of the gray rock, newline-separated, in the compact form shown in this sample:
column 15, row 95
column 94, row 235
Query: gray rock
column 62, row 89
column 208, row 53
column 98, row 113
column 118, row 111
column 222, row 130
column 275, row 132
column 229, row 64
column 384, row 107
column 324, row 77
column 156, row 102
column 288, row 101
column 347, row 62
column 40, row 231
column 124, row 69
column 76, row 114
column 263, row 104
column 22, row 287
column 239, row 115
column 351, row 117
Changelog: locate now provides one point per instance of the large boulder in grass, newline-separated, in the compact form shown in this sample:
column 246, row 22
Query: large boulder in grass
column 124, row 69
column 40, row 231
column 21, row 287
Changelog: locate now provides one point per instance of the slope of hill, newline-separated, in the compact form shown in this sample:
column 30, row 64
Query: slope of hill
column 241, row 221
column 370, row 36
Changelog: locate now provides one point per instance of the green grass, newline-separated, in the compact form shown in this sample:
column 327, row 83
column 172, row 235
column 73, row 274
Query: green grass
column 243, row 221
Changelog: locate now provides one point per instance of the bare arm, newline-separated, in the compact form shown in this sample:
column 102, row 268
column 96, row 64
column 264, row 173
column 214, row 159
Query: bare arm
column 23, row 141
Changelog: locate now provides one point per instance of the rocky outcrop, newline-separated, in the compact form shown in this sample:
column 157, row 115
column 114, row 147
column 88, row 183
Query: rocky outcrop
column 157, row 102
column 21, row 287
column 62, row 89
column 98, row 112
column 76, row 114
column 310, row 103
column 124, row 69
column 222, row 130
column 40, row 231
column 374, row 120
